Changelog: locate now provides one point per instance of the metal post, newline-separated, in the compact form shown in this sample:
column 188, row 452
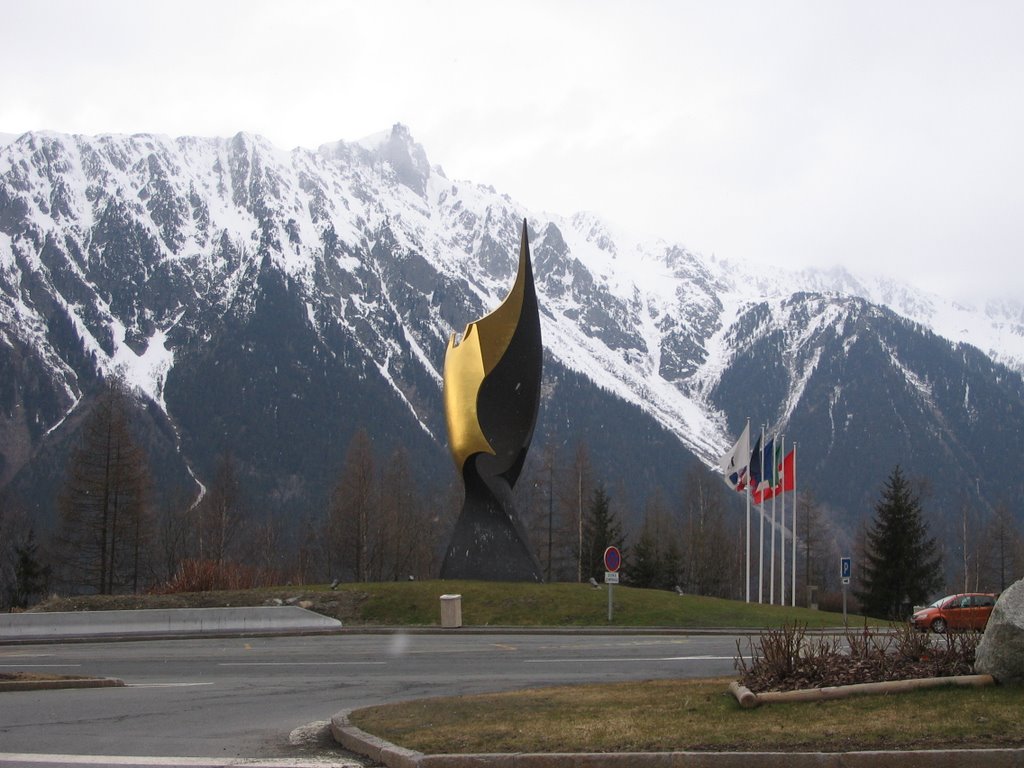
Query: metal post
column 747, row 489
column 792, row 591
column 760, row 511
column 579, row 523
column 551, row 509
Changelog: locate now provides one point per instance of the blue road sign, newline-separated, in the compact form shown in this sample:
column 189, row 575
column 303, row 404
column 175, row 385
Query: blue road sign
column 846, row 566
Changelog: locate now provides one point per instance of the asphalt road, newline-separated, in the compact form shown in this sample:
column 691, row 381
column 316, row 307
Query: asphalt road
column 231, row 698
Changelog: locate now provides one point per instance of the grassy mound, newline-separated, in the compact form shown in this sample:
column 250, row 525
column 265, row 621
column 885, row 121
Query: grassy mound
column 416, row 604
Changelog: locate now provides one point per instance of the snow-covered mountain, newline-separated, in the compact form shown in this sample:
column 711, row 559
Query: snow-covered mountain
column 996, row 327
column 269, row 303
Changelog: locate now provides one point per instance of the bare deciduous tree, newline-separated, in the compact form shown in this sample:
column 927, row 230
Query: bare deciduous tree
column 711, row 556
column 174, row 535
column 1001, row 550
column 221, row 514
column 353, row 503
column 103, row 528
column 406, row 539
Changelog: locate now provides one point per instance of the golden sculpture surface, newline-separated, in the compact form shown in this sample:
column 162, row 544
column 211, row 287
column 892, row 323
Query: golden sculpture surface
column 491, row 396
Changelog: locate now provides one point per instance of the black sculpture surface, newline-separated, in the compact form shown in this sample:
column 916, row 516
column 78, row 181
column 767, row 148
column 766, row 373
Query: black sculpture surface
column 491, row 396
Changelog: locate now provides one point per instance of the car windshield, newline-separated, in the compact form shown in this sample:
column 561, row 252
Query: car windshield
column 940, row 601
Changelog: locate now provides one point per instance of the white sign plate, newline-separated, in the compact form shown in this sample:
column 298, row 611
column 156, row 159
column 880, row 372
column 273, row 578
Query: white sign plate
column 611, row 577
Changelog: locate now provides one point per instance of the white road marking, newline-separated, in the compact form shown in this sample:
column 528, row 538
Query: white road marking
column 22, row 758
column 620, row 661
column 36, row 666
column 163, row 685
column 23, row 655
column 299, row 663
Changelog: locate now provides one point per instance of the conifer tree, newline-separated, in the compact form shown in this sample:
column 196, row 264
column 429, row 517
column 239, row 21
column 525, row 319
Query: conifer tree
column 654, row 558
column 602, row 530
column 31, row 576
column 902, row 564
column 645, row 566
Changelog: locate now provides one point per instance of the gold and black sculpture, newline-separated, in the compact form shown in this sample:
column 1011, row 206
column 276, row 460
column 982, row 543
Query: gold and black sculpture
column 491, row 395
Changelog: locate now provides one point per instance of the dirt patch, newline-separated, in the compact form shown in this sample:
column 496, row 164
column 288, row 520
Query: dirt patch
column 35, row 677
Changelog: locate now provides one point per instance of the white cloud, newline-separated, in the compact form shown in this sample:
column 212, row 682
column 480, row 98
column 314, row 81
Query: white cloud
column 873, row 135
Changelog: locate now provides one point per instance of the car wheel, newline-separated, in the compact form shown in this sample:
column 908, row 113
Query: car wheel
column 939, row 626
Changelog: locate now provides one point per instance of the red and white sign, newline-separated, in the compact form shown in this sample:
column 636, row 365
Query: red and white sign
column 612, row 559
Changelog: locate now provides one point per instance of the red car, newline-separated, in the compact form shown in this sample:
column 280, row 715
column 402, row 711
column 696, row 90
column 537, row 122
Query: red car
column 964, row 611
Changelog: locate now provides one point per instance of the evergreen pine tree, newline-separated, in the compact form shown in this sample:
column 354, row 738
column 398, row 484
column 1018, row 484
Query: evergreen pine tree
column 31, row 577
column 603, row 530
column 645, row 567
column 654, row 557
column 902, row 564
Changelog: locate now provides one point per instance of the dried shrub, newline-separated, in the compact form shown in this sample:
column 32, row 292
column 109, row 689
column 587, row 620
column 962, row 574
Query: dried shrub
column 208, row 575
column 786, row 654
column 787, row 658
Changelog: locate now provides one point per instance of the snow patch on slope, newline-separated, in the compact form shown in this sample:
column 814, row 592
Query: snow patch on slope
column 650, row 285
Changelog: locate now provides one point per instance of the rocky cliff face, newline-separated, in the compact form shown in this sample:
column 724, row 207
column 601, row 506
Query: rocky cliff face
column 269, row 304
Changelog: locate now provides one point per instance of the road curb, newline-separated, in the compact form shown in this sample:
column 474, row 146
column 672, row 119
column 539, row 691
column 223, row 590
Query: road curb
column 53, row 685
column 362, row 743
column 147, row 622
column 393, row 756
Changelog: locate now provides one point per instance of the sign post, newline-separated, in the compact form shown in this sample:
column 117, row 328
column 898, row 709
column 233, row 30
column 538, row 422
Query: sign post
column 845, row 570
column 612, row 563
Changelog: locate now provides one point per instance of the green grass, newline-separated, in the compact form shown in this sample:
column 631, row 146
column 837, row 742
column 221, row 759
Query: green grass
column 570, row 605
column 417, row 604
column 697, row 715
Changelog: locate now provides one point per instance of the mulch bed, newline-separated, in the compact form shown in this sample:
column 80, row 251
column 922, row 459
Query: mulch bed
column 843, row 670
column 790, row 659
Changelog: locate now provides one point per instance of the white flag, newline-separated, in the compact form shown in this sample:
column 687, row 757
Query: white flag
column 734, row 461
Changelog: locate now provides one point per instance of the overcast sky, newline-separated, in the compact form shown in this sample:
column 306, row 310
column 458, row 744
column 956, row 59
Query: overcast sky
column 880, row 136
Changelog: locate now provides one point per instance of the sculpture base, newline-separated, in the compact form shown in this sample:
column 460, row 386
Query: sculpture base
column 487, row 546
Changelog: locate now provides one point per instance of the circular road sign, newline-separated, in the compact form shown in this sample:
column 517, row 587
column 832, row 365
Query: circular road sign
column 612, row 559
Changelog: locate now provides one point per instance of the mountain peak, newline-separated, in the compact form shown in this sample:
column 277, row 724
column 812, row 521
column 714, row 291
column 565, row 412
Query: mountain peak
column 407, row 158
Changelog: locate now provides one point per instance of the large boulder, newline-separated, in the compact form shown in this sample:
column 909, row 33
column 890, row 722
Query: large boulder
column 1001, row 651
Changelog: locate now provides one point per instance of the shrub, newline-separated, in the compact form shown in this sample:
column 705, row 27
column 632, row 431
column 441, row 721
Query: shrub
column 208, row 575
column 787, row 658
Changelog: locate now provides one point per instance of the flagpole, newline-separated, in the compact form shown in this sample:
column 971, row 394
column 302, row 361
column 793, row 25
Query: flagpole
column 782, row 572
column 760, row 509
column 792, row 591
column 737, row 475
column 771, row 547
column 748, row 513
column 772, row 529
